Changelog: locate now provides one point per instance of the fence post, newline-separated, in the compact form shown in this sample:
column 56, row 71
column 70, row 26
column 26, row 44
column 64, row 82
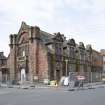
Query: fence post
column 91, row 78
column 100, row 76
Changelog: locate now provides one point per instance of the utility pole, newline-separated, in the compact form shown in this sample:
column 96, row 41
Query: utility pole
column 66, row 66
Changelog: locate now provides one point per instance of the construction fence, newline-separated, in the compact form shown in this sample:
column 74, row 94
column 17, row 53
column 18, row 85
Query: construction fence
column 88, row 77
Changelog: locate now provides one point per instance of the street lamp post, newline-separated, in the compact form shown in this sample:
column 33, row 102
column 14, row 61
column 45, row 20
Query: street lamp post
column 66, row 66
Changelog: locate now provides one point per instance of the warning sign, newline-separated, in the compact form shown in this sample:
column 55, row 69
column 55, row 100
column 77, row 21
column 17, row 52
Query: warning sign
column 80, row 77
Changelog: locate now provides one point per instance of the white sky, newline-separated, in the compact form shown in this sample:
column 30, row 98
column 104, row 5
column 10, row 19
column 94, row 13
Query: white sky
column 83, row 20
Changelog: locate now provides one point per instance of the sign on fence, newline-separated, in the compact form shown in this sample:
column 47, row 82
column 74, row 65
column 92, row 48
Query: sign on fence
column 80, row 77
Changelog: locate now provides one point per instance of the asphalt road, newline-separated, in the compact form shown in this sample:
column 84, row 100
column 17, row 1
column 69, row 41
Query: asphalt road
column 52, row 97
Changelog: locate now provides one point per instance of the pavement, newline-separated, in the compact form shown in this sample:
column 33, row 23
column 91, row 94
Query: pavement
column 34, row 86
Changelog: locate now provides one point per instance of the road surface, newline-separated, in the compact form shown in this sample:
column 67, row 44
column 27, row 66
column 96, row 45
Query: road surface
column 51, row 96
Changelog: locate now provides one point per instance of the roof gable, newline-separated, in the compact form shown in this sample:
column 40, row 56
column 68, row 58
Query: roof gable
column 23, row 33
column 71, row 42
column 58, row 37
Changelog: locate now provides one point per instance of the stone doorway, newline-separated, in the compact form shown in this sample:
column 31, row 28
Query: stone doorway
column 22, row 75
column 58, row 76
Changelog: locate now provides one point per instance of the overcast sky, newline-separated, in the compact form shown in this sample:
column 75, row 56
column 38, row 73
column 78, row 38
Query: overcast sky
column 83, row 20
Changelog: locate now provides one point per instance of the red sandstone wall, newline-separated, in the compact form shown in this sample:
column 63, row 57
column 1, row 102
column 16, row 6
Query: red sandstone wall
column 42, row 62
column 12, row 65
column 38, row 61
column 32, row 60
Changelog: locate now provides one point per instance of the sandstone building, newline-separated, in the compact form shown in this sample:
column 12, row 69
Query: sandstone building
column 38, row 55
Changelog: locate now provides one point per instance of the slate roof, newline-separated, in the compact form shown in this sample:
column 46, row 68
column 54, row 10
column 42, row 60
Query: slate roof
column 2, row 56
column 46, row 37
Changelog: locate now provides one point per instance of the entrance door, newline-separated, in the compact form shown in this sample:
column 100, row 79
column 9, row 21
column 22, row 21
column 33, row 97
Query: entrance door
column 23, row 75
column 57, row 75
